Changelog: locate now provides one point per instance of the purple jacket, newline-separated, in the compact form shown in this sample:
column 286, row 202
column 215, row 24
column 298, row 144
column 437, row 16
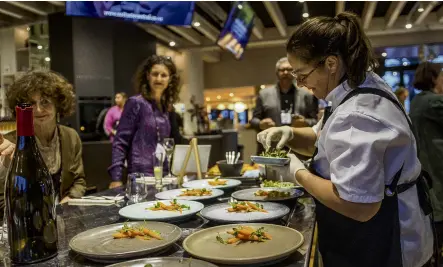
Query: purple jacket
column 136, row 138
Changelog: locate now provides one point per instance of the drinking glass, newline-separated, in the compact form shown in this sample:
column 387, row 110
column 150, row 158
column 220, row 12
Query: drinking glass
column 136, row 187
column 168, row 144
column 158, row 159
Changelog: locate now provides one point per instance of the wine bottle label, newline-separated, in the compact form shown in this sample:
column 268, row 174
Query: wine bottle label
column 25, row 122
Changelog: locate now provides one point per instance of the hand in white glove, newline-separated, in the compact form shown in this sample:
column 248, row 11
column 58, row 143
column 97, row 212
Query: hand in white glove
column 288, row 172
column 281, row 134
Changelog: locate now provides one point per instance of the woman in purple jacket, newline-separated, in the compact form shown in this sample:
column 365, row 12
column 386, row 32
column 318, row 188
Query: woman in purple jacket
column 144, row 122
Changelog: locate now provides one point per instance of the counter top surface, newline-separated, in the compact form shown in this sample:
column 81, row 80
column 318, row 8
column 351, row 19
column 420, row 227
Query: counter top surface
column 72, row 220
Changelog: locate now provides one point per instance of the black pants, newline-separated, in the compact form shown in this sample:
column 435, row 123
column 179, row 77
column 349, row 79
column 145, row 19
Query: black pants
column 439, row 229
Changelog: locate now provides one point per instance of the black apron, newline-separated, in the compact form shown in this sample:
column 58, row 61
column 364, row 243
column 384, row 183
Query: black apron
column 344, row 242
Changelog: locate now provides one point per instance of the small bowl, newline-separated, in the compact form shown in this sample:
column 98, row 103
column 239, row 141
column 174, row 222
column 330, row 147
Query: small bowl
column 230, row 170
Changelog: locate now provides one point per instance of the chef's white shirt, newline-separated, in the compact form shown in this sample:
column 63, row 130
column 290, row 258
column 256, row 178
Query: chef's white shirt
column 361, row 147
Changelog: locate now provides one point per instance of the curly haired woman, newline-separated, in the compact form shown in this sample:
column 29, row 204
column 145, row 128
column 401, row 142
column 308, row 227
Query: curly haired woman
column 52, row 98
column 144, row 122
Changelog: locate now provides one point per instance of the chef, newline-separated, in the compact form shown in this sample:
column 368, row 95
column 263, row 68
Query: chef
column 372, row 202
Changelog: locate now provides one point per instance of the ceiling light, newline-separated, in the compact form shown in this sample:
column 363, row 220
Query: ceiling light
column 262, row 86
column 218, row 97
column 408, row 26
column 39, row 47
column 420, row 8
column 301, row 1
column 47, row 59
column 384, row 54
column 208, row 99
column 28, row 29
column 171, row 43
column 394, row 73
column 240, row 6
column 405, row 63
column 305, row 15
column 196, row 24
column 231, row 94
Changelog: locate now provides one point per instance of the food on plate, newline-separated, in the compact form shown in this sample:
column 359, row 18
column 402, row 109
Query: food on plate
column 175, row 206
column 269, row 183
column 246, row 206
column 217, row 181
column 275, row 153
column 196, row 192
column 141, row 232
column 272, row 193
column 245, row 234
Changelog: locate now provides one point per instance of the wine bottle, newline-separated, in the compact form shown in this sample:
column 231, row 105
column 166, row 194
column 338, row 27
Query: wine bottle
column 30, row 197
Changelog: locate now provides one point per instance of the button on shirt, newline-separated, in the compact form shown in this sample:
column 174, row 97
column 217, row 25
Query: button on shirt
column 362, row 145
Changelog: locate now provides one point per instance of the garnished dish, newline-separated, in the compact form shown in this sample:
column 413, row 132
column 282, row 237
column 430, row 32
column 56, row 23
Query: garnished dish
column 246, row 206
column 277, row 184
column 175, row 206
column 217, row 181
column 196, row 192
column 140, row 232
column 275, row 153
column 245, row 234
column 272, row 193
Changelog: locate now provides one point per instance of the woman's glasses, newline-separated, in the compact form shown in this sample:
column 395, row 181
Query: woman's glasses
column 301, row 78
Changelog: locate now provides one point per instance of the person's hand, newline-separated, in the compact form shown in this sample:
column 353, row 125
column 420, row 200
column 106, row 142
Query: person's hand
column 7, row 150
column 287, row 173
column 65, row 200
column 281, row 134
column 115, row 184
column 266, row 124
column 298, row 121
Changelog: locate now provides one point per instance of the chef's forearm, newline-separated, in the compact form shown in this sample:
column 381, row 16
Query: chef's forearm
column 325, row 192
column 303, row 141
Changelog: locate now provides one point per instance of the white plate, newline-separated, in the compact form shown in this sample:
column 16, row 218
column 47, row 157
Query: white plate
column 219, row 213
column 171, row 194
column 204, row 184
column 141, row 212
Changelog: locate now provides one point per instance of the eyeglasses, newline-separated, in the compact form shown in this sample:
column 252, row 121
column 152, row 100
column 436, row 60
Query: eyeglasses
column 301, row 78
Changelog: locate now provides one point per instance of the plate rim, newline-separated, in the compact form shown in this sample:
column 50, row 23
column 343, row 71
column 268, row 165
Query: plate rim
column 288, row 210
column 245, row 260
column 300, row 194
column 209, row 264
column 221, row 192
column 216, row 187
column 202, row 206
column 121, row 254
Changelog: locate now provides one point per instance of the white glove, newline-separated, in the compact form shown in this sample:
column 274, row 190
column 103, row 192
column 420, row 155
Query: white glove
column 281, row 134
column 288, row 172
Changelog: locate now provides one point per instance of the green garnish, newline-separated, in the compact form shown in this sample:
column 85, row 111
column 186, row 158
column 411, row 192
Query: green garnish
column 185, row 207
column 149, row 265
column 220, row 239
column 275, row 153
column 269, row 183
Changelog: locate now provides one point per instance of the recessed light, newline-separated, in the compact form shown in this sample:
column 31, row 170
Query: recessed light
column 28, row 29
column 39, row 47
column 262, row 86
column 231, row 94
column 47, row 59
column 305, row 15
column 405, row 63
column 240, row 6
column 384, row 54
column 218, row 97
column 408, row 26
column 196, row 24
column 301, row 1
column 420, row 9
column 171, row 43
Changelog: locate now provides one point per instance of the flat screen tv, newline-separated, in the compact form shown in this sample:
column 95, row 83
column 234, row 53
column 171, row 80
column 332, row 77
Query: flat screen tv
column 237, row 29
column 157, row 12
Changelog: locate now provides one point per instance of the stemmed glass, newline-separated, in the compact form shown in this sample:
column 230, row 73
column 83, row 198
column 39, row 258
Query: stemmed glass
column 168, row 144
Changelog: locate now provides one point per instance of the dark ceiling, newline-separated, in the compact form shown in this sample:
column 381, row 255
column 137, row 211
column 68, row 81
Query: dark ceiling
column 292, row 10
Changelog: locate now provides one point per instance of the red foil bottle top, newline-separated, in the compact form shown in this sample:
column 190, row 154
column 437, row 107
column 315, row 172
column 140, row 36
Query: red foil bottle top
column 25, row 120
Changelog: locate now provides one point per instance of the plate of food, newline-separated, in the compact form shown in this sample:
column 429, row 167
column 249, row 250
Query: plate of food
column 190, row 194
column 278, row 184
column 166, row 261
column 220, row 183
column 267, row 194
column 162, row 210
column 244, row 211
column 274, row 157
column 125, row 240
column 245, row 244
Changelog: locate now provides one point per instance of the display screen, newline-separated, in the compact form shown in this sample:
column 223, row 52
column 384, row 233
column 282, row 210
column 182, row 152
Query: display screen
column 157, row 12
column 235, row 34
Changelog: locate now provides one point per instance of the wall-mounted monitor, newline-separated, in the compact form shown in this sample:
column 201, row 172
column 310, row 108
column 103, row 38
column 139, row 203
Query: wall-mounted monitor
column 156, row 12
column 237, row 29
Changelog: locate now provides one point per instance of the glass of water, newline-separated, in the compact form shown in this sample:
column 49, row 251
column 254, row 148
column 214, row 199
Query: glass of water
column 158, row 159
column 168, row 144
column 136, row 187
